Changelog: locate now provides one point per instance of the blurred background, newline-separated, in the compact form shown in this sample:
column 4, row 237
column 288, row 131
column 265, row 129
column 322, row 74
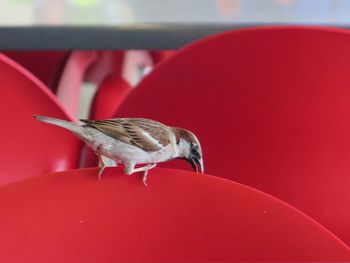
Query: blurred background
column 104, row 12
column 237, row 13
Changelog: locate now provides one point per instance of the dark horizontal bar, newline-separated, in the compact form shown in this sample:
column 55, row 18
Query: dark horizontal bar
column 135, row 36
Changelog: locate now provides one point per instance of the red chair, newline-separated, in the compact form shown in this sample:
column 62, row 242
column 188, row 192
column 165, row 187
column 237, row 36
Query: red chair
column 108, row 73
column 271, row 107
column 28, row 145
column 62, row 71
column 45, row 65
column 160, row 55
column 110, row 95
column 181, row 217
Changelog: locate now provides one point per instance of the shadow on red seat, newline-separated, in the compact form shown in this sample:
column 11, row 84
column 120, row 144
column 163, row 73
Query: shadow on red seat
column 180, row 217
column 28, row 145
column 271, row 108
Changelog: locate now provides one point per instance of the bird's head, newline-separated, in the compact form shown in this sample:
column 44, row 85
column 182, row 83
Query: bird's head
column 189, row 148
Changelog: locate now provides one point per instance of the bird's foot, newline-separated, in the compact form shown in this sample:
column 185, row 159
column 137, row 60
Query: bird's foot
column 129, row 169
column 144, row 178
column 145, row 173
column 100, row 171
column 151, row 166
column 101, row 165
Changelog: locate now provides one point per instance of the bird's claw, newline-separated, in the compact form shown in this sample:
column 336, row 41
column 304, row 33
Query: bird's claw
column 100, row 171
column 144, row 178
column 145, row 173
column 152, row 166
column 145, row 183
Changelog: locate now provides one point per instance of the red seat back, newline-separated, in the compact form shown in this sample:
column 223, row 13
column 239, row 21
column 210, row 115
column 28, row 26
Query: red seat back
column 111, row 93
column 30, row 148
column 271, row 107
column 180, row 217
column 160, row 55
column 45, row 65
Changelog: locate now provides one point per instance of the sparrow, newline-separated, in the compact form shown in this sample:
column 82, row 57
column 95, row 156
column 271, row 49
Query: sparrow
column 133, row 141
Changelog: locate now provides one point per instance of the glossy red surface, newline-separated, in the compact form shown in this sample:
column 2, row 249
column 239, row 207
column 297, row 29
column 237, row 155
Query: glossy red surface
column 108, row 73
column 161, row 55
column 62, row 71
column 28, row 145
column 271, row 107
column 181, row 217
column 111, row 93
column 45, row 65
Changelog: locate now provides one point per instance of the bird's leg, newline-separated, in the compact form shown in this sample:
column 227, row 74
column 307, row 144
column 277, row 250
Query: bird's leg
column 101, row 165
column 148, row 167
column 130, row 169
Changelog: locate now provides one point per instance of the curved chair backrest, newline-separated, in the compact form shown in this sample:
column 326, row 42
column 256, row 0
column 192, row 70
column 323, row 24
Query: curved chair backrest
column 271, row 107
column 180, row 217
column 30, row 148
column 45, row 65
column 112, row 91
column 160, row 55
column 62, row 71
column 112, row 72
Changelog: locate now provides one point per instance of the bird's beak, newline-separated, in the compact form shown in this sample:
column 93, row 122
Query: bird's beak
column 194, row 162
column 201, row 164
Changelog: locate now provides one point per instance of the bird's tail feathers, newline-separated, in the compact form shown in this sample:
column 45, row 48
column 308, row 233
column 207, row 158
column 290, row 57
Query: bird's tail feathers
column 74, row 127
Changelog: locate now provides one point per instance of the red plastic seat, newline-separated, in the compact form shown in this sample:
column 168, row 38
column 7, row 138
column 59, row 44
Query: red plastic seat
column 181, row 217
column 45, row 65
column 160, row 55
column 110, row 95
column 108, row 73
column 28, row 145
column 271, row 107
column 62, row 71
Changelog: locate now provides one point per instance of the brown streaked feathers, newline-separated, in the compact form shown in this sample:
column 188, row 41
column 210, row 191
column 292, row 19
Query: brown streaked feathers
column 134, row 131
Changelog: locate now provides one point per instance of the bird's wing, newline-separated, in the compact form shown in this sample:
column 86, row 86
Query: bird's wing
column 146, row 134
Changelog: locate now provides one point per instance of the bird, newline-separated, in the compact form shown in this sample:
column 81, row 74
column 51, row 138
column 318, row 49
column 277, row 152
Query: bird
column 134, row 141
